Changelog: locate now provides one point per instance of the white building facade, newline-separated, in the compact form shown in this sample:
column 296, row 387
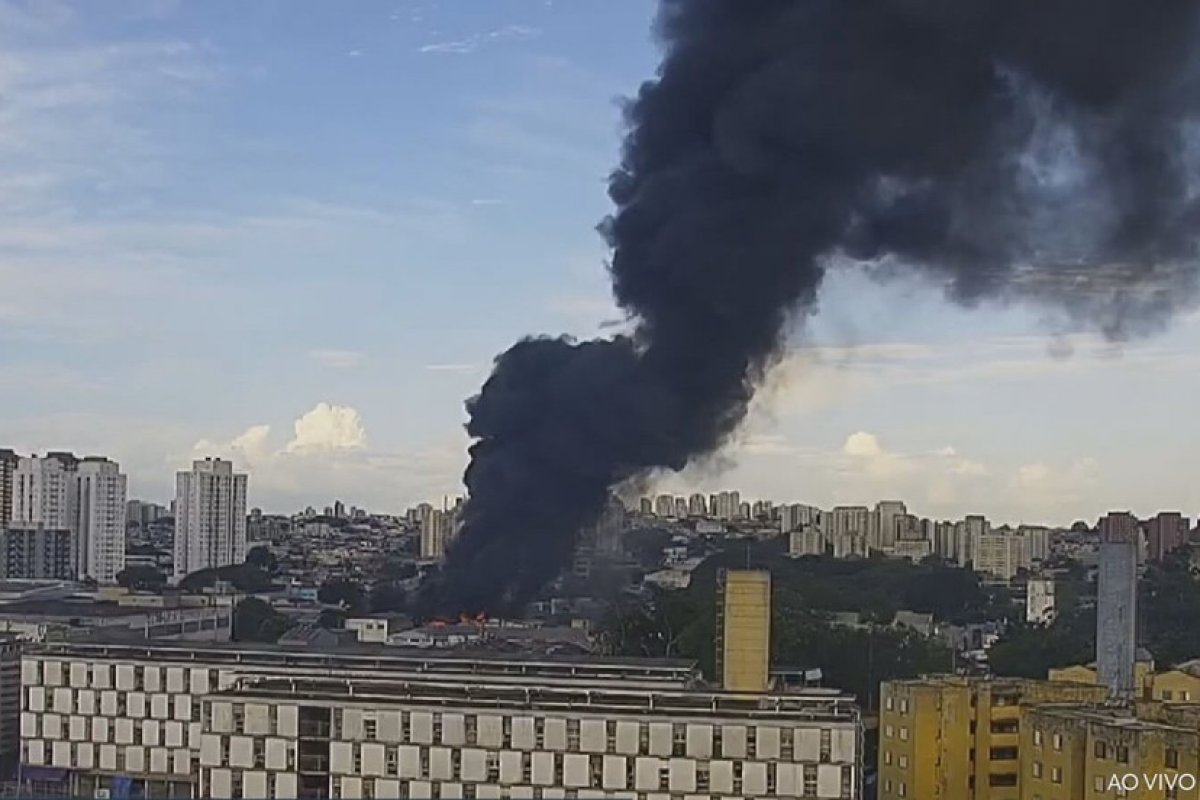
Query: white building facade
column 60, row 492
column 231, row 721
column 210, row 517
column 102, row 493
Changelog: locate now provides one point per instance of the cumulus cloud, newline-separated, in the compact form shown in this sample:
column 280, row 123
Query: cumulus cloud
column 862, row 445
column 328, row 428
column 327, row 457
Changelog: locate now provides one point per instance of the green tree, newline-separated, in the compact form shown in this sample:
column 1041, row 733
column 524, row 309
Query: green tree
column 255, row 621
column 141, row 578
column 345, row 593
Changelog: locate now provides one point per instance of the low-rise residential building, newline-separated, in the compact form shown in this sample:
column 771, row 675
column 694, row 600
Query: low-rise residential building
column 958, row 738
column 1073, row 752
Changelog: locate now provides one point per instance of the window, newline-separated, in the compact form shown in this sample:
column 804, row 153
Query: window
column 1123, row 755
column 1058, row 741
column 1037, row 737
column 1037, row 769
column 903, row 789
column 888, row 731
column 904, row 706
column 1003, row 779
column 1171, row 758
column 1185, row 696
column 1056, row 775
column 1005, row 726
column 888, row 704
column 1100, row 750
column 903, row 762
column 904, row 733
column 1098, row 783
column 370, row 726
column 1003, row 754
column 1168, row 694
column 887, row 757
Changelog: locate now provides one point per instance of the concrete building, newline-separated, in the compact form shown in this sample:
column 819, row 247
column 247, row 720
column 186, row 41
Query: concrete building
column 10, row 705
column 1116, row 605
column 806, row 541
column 33, row 552
column 914, row 550
column 8, row 469
column 382, row 722
column 795, row 516
column 210, row 517
column 102, row 491
column 437, row 528
column 889, row 515
column 1039, row 601
column 697, row 506
column 958, row 738
column 45, row 492
column 744, row 630
column 1165, row 533
column 664, row 506
column 996, row 553
column 1073, row 752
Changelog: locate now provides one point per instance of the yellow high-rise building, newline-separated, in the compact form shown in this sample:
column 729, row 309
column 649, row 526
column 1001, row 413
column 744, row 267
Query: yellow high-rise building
column 1093, row 752
column 744, row 630
column 958, row 738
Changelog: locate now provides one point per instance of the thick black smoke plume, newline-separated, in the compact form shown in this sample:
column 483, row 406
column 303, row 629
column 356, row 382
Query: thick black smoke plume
column 1031, row 150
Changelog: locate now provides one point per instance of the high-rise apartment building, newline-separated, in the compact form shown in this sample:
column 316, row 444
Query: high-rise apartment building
column 30, row 551
column 1165, row 533
column 63, row 493
column 664, row 506
column 889, row 514
column 697, row 506
column 436, row 529
column 8, row 469
column 100, row 540
column 998, row 553
column 45, row 491
column 210, row 517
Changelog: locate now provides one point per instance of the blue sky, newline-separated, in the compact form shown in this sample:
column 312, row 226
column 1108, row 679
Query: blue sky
column 296, row 232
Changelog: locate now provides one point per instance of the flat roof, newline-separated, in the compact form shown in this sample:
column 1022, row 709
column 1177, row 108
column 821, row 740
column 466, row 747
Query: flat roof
column 385, row 659
column 827, row 705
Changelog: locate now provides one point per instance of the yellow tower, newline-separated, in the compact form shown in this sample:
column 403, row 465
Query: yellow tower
column 744, row 630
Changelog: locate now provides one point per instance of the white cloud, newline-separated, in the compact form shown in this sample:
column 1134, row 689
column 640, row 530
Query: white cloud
column 336, row 359
column 328, row 428
column 328, row 458
column 862, row 445
column 473, row 42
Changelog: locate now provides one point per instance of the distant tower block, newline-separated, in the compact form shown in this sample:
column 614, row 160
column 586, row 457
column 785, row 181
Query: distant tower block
column 744, row 630
column 1116, row 606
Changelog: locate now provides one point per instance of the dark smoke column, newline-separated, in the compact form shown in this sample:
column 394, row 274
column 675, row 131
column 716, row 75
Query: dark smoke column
column 1027, row 150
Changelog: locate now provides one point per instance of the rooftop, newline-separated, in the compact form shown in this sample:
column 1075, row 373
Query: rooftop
column 391, row 661
column 810, row 704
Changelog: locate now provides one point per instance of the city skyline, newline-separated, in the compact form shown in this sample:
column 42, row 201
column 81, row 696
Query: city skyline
column 453, row 231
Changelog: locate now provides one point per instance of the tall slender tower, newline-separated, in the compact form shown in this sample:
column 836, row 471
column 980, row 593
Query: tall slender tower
column 210, row 517
column 744, row 629
column 1116, row 605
